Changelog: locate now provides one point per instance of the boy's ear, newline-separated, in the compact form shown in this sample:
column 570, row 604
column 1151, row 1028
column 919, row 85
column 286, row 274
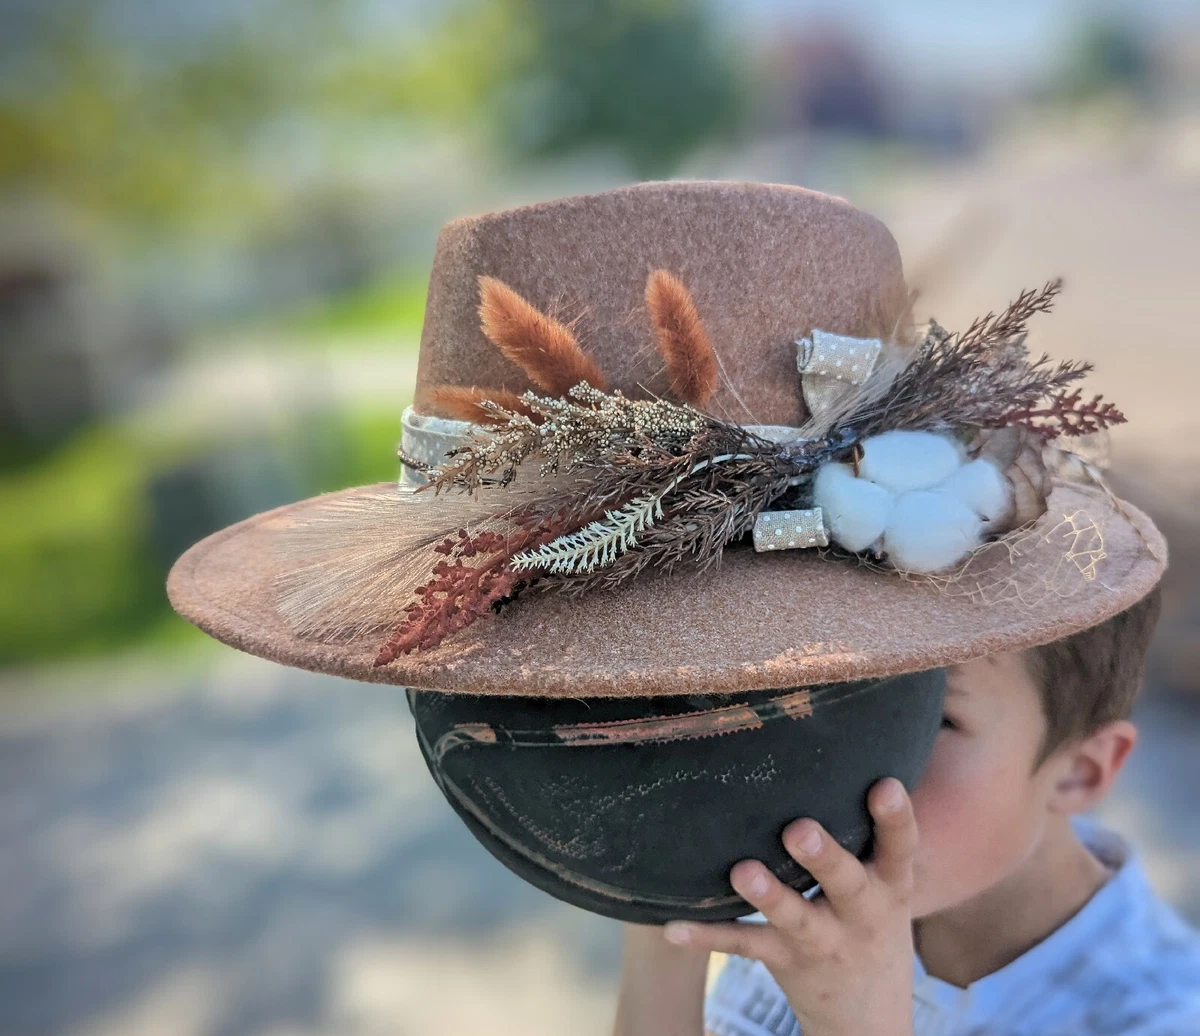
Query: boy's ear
column 1088, row 767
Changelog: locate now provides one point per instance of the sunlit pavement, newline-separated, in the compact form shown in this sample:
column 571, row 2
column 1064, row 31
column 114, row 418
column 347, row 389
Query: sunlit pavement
column 254, row 850
column 265, row 854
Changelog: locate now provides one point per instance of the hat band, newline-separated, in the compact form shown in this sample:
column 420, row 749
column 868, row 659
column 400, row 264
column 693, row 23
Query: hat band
column 428, row 439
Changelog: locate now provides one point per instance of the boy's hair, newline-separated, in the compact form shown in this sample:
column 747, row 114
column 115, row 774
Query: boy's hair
column 1091, row 678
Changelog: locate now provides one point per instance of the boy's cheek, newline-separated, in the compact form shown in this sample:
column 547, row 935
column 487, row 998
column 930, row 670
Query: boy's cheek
column 971, row 834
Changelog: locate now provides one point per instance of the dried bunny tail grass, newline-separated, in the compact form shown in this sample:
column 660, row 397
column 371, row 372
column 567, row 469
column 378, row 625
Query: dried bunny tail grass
column 682, row 340
column 465, row 404
column 351, row 564
column 541, row 346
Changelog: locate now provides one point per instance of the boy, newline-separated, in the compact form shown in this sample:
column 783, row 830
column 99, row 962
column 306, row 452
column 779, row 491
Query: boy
column 1022, row 919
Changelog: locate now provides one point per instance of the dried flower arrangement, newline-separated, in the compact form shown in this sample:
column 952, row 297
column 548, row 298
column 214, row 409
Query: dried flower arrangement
column 944, row 447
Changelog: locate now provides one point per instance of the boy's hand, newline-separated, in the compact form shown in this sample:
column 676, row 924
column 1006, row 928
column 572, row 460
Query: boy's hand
column 845, row 959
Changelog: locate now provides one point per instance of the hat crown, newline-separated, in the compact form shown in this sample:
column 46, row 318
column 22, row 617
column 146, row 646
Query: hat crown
column 765, row 264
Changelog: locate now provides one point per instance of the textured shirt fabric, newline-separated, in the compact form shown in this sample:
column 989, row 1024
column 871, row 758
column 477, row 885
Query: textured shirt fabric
column 1125, row 965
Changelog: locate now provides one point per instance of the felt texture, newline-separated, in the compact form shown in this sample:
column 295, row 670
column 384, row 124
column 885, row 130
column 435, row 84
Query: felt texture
column 765, row 264
column 761, row 620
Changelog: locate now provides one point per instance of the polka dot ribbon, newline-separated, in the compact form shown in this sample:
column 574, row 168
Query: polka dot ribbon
column 830, row 366
column 779, row 530
column 837, row 356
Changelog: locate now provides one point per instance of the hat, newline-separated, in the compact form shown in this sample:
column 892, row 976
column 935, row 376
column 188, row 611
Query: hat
column 698, row 447
column 691, row 518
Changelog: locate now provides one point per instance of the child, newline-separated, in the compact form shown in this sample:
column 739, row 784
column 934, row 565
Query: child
column 1024, row 919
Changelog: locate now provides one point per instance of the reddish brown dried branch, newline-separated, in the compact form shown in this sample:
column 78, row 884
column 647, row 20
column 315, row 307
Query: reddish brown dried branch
column 464, row 403
column 1068, row 413
column 540, row 345
column 682, row 340
column 458, row 594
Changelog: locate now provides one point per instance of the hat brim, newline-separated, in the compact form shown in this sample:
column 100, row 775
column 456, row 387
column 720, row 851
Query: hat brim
column 759, row 620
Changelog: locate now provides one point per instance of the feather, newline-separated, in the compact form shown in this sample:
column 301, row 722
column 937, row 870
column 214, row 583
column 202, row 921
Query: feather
column 351, row 563
column 1016, row 451
column 682, row 340
column 544, row 348
column 463, row 403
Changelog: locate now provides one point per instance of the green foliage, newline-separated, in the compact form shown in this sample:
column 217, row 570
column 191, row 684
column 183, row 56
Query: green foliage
column 394, row 305
column 82, row 569
column 180, row 133
column 649, row 79
column 1109, row 54
column 76, row 574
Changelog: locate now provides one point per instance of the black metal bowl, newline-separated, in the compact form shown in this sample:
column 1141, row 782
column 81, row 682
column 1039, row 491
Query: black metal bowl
column 636, row 808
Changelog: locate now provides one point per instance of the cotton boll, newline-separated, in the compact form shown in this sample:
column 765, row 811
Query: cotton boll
column 855, row 510
column 906, row 460
column 982, row 487
column 929, row 530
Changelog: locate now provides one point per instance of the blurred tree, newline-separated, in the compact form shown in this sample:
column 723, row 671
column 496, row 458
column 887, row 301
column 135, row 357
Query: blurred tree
column 649, row 79
column 1109, row 53
column 165, row 126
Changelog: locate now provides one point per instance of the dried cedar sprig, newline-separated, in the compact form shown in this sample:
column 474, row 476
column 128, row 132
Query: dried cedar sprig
column 697, row 526
column 981, row 378
column 996, row 330
column 685, row 507
column 596, row 544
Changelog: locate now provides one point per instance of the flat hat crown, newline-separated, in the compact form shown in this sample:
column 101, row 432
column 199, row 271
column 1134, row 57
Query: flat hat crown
column 765, row 264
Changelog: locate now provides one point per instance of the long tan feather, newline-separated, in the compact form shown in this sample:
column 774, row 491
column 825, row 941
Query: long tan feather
column 349, row 563
column 464, row 403
column 540, row 345
column 682, row 340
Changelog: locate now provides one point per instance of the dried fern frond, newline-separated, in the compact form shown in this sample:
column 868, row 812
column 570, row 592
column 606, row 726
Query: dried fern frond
column 466, row 404
column 682, row 340
column 595, row 545
column 544, row 348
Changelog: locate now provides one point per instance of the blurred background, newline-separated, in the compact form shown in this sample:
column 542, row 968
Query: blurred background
column 216, row 223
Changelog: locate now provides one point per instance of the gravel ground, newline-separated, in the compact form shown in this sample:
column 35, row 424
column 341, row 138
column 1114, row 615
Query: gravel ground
column 254, row 851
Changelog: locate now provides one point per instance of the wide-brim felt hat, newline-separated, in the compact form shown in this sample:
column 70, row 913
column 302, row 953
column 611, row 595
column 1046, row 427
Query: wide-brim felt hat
column 765, row 266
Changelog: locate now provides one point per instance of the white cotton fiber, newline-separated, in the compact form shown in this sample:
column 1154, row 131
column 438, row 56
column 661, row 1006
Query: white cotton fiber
column 905, row 460
column 929, row 530
column 855, row 510
column 982, row 487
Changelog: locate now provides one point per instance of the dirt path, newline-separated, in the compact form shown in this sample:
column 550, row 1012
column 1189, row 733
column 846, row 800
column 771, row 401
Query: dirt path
column 254, row 851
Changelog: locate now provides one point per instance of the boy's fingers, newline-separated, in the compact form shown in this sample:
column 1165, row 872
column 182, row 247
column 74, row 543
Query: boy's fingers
column 783, row 907
column 842, row 878
column 895, row 833
column 757, row 941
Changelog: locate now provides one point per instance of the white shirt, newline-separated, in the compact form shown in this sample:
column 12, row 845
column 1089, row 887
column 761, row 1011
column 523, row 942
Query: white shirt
column 1125, row 965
